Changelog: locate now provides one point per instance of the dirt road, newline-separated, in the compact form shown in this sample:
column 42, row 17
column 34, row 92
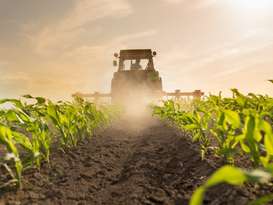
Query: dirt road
column 136, row 161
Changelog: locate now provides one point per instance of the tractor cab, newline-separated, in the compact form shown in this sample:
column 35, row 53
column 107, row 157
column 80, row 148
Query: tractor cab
column 136, row 78
column 137, row 59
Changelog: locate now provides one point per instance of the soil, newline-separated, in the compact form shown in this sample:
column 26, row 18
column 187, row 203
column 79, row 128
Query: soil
column 137, row 161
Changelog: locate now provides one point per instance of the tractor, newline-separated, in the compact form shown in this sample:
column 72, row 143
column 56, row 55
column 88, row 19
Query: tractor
column 136, row 78
column 136, row 81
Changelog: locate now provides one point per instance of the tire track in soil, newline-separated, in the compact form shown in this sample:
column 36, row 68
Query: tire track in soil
column 122, row 165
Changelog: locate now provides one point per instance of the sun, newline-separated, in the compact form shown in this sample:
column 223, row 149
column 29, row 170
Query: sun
column 253, row 4
column 251, row 8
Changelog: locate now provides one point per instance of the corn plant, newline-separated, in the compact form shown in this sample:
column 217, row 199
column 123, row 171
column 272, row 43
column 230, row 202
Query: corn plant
column 30, row 125
column 28, row 120
column 241, row 125
column 237, row 177
column 7, row 139
column 228, row 126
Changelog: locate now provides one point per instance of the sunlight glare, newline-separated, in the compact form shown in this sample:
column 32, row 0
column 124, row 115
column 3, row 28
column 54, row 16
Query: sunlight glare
column 253, row 4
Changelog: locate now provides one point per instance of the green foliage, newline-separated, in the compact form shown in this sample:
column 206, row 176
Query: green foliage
column 233, row 176
column 263, row 200
column 230, row 127
column 30, row 126
column 12, row 154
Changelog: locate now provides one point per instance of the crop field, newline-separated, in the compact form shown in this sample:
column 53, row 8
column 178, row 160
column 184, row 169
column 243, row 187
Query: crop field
column 28, row 131
column 236, row 130
column 134, row 102
column 214, row 150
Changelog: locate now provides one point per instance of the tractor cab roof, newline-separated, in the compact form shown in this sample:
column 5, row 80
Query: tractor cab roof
column 136, row 54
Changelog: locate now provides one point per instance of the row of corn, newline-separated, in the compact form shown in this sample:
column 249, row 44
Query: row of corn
column 229, row 128
column 30, row 125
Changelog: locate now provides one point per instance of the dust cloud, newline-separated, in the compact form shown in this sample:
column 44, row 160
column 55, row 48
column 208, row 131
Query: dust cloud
column 137, row 111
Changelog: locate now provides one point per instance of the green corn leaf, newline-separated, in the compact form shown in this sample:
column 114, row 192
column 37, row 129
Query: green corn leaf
column 262, row 200
column 266, row 127
column 51, row 111
column 232, row 118
column 249, row 130
column 257, row 135
column 11, row 116
column 15, row 102
column 23, row 117
column 6, row 138
column 22, row 140
column 268, row 138
column 265, row 160
column 227, row 174
column 190, row 126
column 244, row 147
column 238, row 139
column 233, row 176
column 221, row 118
column 197, row 197
column 268, row 143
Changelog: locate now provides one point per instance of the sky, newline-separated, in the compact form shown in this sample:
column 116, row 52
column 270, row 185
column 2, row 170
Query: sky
column 54, row 48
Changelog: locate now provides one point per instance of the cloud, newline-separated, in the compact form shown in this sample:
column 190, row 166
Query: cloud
column 62, row 50
column 86, row 54
column 59, row 36
column 237, row 53
column 86, row 11
column 221, row 65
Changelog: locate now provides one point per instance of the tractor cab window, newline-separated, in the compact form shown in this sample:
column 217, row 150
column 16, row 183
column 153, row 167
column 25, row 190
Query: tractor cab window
column 135, row 64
